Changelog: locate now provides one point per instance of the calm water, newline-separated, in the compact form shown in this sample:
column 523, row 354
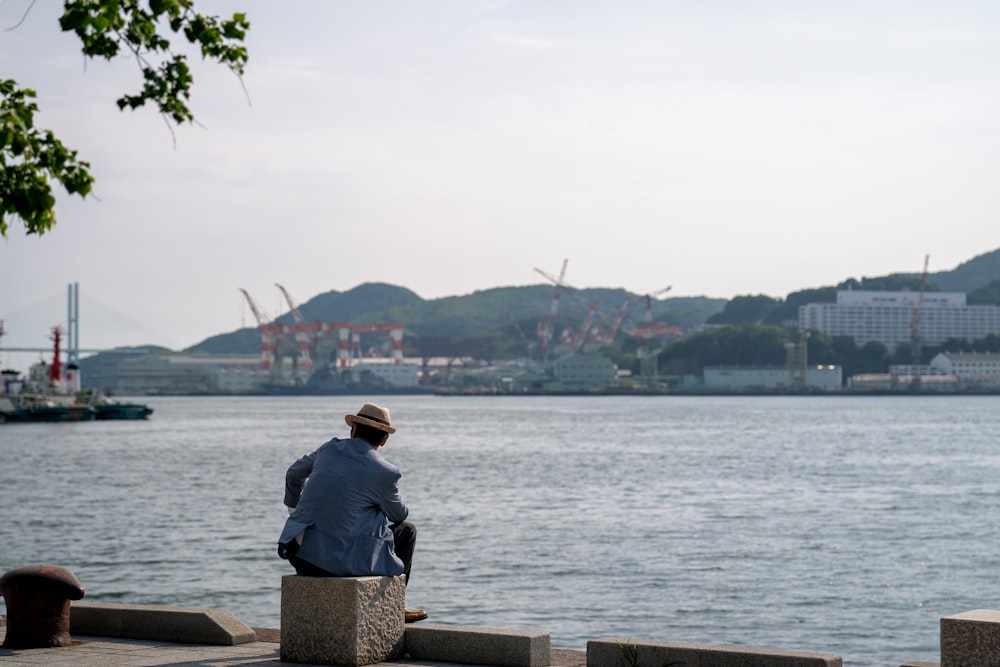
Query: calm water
column 848, row 525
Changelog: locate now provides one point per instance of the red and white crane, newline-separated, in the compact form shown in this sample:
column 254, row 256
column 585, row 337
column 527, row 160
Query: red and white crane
column 268, row 332
column 916, row 342
column 604, row 336
column 395, row 335
column 597, row 334
column 545, row 328
column 302, row 332
column 650, row 329
column 585, row 332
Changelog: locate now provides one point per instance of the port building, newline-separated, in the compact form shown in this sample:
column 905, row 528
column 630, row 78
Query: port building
column 144, row 372
column 887, row 317
column 972, row 369
column 772, row 378
column 572, row 373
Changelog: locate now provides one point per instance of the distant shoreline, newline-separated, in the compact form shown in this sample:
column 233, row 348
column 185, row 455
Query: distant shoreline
column 613, row 392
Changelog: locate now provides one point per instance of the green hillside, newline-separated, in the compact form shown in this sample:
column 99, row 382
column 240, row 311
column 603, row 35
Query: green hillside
column 969, row 276
column 501, row 314
column 979, row 278
column 502, row 321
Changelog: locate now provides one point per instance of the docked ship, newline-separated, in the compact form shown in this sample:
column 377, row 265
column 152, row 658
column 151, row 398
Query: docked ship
column 362, row 377
column 52, row 393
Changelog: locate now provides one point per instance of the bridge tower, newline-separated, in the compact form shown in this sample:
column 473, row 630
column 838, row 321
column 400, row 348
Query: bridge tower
column 73, row 324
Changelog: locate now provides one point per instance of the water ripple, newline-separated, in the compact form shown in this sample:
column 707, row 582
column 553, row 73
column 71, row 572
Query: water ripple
column 839, row 525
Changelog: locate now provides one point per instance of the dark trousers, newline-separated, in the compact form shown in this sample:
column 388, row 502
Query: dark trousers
column 404, row 536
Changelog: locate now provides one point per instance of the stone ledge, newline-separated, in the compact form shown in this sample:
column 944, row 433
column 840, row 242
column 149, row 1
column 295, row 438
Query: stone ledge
column 182, row 625
column 607, row 652
column 970, row 638
column 477, row 646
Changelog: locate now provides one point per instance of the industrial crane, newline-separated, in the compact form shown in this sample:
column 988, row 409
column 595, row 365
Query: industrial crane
column 573, row 339
column 584, row 333
column 517, row 327
column 649, row 329
column 646, row 334
column 268, row 332
column 545, row 328
column 916, row 343
column 302, row 332
column 608, row 337
column 395, row 336
column 292, row 305
column 649, row 299
column 272, row 333
column 598, row 334
column 258, row 312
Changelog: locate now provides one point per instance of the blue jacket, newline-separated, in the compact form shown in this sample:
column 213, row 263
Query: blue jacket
column 344, row 495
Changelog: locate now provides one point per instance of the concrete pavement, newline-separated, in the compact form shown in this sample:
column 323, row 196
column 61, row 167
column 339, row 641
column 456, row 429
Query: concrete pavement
column 109, row 652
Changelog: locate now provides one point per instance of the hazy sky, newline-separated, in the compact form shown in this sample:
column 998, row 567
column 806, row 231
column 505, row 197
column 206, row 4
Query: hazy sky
column 722, row 148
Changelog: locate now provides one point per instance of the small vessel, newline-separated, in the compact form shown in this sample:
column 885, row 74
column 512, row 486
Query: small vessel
column 32, row 408
column 50, row 395
column 108, row 408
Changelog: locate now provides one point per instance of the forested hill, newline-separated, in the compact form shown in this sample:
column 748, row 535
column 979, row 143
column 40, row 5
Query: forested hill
column 508, row 316
column 503, row 314
column 979, row 278
column 969, row 276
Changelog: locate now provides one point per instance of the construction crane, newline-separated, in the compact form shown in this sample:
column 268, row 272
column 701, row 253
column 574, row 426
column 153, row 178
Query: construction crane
column 916, row 342
column 649, row 301
column 545, row 327
column 584, row 333
column 268, row 332
column 608, row 337
column 302, row 333
column 572, row 339
column 517, row 327
column 395, row 336
column 597, row 334
column 292, row 305
column 649, row 329
column 647, row 334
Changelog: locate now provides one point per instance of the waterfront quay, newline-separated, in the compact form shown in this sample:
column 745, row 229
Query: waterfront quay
column 264, row 651
column 971, row 639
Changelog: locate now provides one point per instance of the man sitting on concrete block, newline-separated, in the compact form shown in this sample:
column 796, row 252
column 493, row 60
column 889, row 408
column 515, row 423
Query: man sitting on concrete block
column 339, row 523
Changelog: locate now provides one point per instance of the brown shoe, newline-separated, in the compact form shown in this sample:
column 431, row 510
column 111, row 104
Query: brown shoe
column 414, row 615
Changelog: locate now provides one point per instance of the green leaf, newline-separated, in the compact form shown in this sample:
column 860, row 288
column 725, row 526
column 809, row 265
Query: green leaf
column 32, row 159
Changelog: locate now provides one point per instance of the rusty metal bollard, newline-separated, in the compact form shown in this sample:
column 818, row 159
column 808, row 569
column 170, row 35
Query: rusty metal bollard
column 38, row 599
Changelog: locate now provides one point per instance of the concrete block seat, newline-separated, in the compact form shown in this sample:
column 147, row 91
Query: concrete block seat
column 608, row 652
column 477, row 646
column 970, row 638
column 184, row 625
column 342, row 620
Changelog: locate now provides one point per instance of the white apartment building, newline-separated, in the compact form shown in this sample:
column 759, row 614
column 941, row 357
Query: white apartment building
column 885, row 317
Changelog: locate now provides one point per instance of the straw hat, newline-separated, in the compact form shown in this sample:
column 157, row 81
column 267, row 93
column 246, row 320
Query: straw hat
column 372, row 415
